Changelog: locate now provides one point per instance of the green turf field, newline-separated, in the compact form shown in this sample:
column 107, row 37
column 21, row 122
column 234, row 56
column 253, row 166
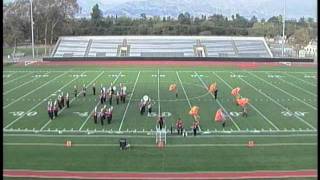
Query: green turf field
column 282, row 119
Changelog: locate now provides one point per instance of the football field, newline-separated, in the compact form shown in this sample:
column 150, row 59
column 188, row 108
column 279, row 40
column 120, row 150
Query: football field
column 282, row 119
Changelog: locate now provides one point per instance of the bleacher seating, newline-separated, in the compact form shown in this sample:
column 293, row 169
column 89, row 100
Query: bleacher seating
column 161, row 46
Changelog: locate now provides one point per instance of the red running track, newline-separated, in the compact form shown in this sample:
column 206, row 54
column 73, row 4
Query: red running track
column 156, row 175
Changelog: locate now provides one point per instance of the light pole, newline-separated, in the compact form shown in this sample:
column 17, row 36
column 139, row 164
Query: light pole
column 283, row 27
column 32, row 39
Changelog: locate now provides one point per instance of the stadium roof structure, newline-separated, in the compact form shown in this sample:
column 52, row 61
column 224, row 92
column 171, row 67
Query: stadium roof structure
column 161, row 46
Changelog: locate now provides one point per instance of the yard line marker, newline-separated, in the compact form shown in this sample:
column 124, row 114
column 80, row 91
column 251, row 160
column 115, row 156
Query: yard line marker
column 205, row 86
column 309, row 83
column 20, row 86
column 34, row 90
column 125, row 111
column 159, row 107
column 172, row 146
column 285, row 92
column 277, row 103
column 89, row 115
column 150, row 136
column 16, row 79
column 72, row 98
column 264, row 117
column 35, row 106
column 184, row 91
column 308, row 92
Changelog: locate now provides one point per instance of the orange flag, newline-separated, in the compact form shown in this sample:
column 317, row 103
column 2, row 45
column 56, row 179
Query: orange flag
column 243, row 101
column 218, row 117
column 235, row 91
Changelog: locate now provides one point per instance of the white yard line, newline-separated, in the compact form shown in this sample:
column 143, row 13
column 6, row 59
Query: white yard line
column 36, row 106
column 36, row 78
column 167, row 146
column 205, row 86
column 5, row 93
column 122, row 70
column 287, row 82
column 151, row 136
column 268, row 120
column 309, row 105
column 309, row 83
column 159, row 107
column 185, row 93
column 125, row 111
column 44, row 126
column 302, row 120
column 12, row 80
column 89, row 115
column 34, row 90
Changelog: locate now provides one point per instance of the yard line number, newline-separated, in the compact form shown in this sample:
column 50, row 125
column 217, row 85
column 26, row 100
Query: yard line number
column 236, row 76
column 79, row 75
column 40, row 75
column 274, row 76
column 22, row 113
column 164, row 114
column 295, row 113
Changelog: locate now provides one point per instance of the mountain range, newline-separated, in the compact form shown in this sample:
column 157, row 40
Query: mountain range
column 295, row 9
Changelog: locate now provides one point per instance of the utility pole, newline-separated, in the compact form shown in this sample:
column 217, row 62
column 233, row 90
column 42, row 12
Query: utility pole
column 32, row 39
column 283, row 27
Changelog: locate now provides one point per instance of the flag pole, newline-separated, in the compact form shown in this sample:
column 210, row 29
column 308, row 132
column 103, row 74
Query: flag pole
column 283, row 27
column 32, row 38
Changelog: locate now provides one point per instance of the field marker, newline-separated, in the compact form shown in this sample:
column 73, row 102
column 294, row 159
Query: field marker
column 302, row 120
column 34, row 90
column 73, row 97
column 308, row 92
column 97, row 104
column 35, row 105
column 20, row 86
column 204, row 84
column 264, row 117
column 70, row 101
column 284, row 91
column 309, row 83
column 125, row 111
column 185, row 93
column 5, row 83
column 159, row 107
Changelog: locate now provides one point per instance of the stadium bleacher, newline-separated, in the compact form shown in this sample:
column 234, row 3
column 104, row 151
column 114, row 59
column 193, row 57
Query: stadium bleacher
column 161, row 46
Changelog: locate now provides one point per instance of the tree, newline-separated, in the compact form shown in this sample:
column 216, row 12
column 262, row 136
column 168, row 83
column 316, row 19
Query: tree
column 143, row 16
column 96, row 14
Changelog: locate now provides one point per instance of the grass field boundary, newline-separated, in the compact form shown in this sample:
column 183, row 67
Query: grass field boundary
column 135, row 131
column 171, row 71
column 167, row 145
column 302, row 120
column 256, row 174
column 90, row 114
column 12, row 80
column 255, row 135
column 296, row 86
column 205, row 85
column 72, row 99
column 125, row 111
column 48, row 82
column 309, row 105
column 185, row 93
column 262, row 115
